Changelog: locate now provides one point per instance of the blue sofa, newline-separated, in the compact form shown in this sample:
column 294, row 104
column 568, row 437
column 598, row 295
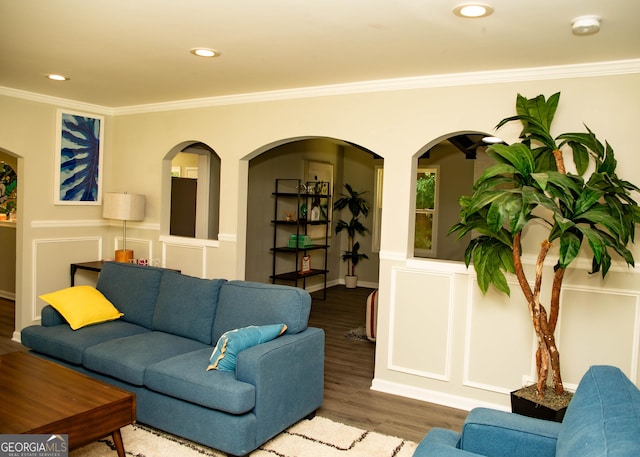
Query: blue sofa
column 603, row 420
column 160, row 348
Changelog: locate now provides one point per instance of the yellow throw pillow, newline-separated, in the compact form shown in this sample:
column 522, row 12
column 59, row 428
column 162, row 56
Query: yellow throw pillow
column 82, row 305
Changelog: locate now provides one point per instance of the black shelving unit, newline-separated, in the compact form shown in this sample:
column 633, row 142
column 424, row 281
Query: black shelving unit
column 291, row 197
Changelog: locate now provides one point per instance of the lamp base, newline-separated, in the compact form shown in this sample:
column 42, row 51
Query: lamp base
column 124, row 255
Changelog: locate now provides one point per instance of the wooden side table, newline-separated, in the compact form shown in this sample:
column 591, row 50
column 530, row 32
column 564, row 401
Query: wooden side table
column 95, row 265
column 89, row 266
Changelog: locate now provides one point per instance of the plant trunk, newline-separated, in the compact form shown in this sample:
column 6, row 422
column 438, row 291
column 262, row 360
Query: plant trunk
column 543, row 325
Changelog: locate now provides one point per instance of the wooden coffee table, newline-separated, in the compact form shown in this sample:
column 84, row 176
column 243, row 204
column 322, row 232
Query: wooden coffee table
column 38, row 396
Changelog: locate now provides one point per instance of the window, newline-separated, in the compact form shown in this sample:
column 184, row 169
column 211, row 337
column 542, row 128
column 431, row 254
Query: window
column 426, row 224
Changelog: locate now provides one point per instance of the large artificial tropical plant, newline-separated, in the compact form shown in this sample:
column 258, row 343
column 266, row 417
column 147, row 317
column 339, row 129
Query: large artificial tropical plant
column 530, row 184
column 357, row 205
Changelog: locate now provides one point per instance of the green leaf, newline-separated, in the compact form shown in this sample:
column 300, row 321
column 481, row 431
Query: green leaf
column 580, row 157
column 505, row 207
column 518, row 155
column 495, row 171
column 601, row 215
column 596, row 241
column 490, row 261
column 587, row 199
column 569, row 248
column 479, row 201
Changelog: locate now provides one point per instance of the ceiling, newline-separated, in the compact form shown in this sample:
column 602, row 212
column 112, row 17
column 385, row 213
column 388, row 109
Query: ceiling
column 120, row 53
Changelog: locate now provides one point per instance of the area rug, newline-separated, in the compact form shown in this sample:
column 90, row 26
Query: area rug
column 319, row 437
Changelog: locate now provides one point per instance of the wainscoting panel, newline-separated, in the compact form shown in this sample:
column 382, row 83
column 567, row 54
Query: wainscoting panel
column 189, row 259
column 424, row 318
column 52, row 259
column 598, row 326
column 499, row 339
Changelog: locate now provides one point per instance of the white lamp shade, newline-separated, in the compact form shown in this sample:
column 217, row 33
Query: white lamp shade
column 123, row 206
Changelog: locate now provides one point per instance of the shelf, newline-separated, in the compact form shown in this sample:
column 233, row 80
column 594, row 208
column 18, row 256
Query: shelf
column 293, row 250
column 293, row 275
column 300, row 222
column 290, row 197
column 295, row 195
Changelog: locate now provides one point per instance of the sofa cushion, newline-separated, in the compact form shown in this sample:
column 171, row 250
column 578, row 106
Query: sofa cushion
column 61, row 342
column 127, row 358
column 81, row 306
column 603, row 417
column 231, row 343
column 186, row 306
column 133, row 289
column 245, row 303
column 184, row 377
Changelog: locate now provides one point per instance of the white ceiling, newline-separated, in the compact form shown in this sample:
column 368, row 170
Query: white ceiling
column 130, row 52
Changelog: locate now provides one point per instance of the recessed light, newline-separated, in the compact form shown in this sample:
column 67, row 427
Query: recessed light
column 473, row 10
column 585, row 25
column 492, row 140
column 204, row 52
column 55, row 77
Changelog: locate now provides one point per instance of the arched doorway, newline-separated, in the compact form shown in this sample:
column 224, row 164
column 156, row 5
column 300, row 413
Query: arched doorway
column 290, row 159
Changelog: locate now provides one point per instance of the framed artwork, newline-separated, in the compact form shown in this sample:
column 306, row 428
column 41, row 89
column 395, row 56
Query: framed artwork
column 322, row 172
column 78, row 158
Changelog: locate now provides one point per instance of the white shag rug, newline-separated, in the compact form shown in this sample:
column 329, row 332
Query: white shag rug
column 319, row 437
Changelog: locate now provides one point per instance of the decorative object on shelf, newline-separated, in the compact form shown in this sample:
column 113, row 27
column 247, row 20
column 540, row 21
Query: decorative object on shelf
column 123, row 207
column 315, row 213
column 530, row 185
column 289, row 216
column 357, row 205
column 305, row 264
column 79, row 145
column 319, row 183
column 300, row 241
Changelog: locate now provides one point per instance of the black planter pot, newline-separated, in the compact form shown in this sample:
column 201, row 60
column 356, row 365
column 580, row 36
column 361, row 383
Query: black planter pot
column 526, row 407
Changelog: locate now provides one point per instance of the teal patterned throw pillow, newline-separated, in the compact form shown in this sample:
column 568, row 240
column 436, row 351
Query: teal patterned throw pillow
column 232, row 342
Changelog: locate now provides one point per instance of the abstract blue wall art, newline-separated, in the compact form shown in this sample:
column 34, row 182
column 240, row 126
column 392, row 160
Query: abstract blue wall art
column 79, row 159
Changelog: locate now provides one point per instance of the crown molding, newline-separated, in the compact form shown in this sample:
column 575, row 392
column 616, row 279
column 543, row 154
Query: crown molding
column 57, row 101
column 619, row 67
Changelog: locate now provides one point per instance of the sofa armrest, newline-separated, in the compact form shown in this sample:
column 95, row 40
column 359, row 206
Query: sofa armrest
column 495, row 433
column 288, row 375
column 49, row 317
column 440, row 442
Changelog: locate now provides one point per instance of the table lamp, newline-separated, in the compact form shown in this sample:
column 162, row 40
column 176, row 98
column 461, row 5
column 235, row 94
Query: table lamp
column 123, row 207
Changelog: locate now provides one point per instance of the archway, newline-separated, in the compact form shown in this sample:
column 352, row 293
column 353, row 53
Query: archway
column 191, row 191
column 290, row 159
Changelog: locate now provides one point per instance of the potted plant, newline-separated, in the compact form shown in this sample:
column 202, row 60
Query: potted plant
column 530, row 184
column 357, row 205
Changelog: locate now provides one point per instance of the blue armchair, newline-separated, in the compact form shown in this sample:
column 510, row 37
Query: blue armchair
column 603, row 419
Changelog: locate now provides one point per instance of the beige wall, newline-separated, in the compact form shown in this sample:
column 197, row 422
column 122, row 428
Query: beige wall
column 439, row 339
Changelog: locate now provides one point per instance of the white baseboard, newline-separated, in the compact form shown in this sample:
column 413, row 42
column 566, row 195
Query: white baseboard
column 8, row 295
column 431, row 396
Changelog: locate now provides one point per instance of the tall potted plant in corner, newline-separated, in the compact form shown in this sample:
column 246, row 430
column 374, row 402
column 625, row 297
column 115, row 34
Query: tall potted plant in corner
column 530, row 183
column 357, row 205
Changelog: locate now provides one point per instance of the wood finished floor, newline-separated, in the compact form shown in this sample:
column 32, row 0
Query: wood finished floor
column 349, row 366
